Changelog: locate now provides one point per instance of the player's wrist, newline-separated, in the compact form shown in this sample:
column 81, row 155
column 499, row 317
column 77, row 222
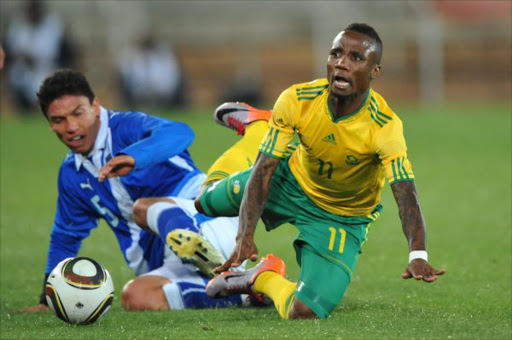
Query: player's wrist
column 418, row 254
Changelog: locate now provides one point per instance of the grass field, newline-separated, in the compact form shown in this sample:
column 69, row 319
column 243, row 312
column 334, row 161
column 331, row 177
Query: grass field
column 462, row 161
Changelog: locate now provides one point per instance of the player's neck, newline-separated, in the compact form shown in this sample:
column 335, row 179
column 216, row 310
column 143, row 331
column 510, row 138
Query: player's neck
column 341, row 106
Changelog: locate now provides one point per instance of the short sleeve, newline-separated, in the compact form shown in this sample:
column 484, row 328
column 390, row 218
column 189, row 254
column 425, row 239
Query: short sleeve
column 281, row 125
column 392, row 151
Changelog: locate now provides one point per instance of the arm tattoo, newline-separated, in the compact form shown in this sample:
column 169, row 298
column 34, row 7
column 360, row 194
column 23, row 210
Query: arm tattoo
column 413, row 223
column 256, row 193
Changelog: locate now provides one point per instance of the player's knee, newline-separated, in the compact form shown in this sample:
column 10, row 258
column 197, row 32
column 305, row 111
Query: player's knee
column 129, row 299
column 299, row 310
column 140, row 209
column 135, row 299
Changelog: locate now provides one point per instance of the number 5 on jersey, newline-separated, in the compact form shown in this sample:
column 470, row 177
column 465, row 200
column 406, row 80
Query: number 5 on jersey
column 109, row 216
column 343, row 236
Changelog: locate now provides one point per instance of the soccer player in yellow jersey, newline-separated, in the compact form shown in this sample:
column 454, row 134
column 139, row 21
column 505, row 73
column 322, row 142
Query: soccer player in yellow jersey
column 330, row 187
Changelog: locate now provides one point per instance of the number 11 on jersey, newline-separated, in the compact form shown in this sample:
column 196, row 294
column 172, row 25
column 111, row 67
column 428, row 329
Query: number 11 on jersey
column 343, row 236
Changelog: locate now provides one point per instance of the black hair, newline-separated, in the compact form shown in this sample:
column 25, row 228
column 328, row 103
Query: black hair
column 369, row 32
column 63, row 82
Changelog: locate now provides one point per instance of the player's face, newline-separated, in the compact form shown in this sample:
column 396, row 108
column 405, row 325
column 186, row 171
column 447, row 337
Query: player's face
column 351, row 64
column 75, row 121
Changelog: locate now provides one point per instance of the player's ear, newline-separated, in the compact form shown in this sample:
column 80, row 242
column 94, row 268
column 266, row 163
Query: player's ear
column 375, row 72
column 96, row 106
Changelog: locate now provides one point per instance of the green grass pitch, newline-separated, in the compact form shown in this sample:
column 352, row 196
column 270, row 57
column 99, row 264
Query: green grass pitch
column 462, row 161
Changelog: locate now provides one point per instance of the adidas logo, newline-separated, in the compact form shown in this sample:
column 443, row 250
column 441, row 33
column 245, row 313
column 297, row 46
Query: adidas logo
column 330, row 139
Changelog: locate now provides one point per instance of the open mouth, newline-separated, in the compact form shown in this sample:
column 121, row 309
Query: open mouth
column 341, row 82
column 76, row 141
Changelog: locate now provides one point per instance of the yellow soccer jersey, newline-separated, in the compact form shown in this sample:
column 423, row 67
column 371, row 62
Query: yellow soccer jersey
column 341, row 165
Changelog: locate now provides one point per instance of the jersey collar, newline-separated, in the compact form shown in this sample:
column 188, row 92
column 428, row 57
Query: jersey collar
column 101, row 139
column 344, row 118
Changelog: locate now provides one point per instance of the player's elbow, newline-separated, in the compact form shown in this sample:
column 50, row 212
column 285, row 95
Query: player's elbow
column 183, row 133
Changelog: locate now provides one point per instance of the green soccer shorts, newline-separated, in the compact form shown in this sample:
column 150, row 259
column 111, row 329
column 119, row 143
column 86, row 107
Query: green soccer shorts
column 327, row 247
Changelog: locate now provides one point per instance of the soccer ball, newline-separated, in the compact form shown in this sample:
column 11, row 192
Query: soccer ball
column 79, row 290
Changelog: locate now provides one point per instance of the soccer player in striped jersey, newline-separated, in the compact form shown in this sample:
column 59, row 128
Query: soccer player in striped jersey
column 330, row 188
column 134, row 171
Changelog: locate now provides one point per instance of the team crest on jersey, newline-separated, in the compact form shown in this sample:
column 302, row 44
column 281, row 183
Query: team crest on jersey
column 330, row 139
column 351, row 160
column 279, row 121
column 236, row 187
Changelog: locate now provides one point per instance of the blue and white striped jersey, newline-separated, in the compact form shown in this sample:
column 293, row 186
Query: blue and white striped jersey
column 163, row 167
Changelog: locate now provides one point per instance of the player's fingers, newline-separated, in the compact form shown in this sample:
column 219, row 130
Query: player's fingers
column 429, row 279
column 109, row 167
column 253, row 257
column 431, row 274
column 237, row 262
column 104, row 172
column 118, row 169
column 406, row 275
column 432, row 277
column 223, row 267
column 418, row 277
column 228, row 264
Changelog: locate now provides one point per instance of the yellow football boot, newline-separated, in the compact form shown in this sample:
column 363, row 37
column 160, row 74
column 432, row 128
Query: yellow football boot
column 192, row 248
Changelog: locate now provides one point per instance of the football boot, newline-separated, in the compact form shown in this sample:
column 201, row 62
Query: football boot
column 237, row 115
column 192, row 248
column 240, row 282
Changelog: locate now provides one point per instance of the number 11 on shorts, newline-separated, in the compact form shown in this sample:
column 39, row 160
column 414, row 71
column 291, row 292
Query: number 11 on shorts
column 343, row 235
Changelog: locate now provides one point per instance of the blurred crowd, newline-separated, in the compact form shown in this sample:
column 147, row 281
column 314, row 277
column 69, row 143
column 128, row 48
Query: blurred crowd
column 150, row 75
column 156, row 55
column 37, row 42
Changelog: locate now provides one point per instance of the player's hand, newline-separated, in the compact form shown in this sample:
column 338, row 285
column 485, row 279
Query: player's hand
column 33, row 309
column 117, row 166
column 245, row 249
column 420, row 269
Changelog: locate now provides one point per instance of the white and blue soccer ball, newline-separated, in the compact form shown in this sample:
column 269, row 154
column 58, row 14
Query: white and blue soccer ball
column 79, row 290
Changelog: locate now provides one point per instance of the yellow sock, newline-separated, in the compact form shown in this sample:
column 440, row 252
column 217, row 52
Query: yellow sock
column 241, row 155
column 279, row 289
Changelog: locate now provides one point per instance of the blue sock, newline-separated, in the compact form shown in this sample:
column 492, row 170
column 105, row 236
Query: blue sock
column 194, row 296
column 175, row 218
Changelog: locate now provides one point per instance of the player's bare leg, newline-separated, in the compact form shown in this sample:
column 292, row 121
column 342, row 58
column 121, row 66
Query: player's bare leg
column 145, row 293
column 140, row 210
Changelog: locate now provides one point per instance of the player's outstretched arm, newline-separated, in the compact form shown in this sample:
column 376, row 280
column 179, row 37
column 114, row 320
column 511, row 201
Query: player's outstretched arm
column 413, row 225
column 251, row 208
column 118, row 166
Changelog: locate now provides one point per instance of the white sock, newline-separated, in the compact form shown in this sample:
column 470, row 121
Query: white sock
column 173, row 295
column 154, row 212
